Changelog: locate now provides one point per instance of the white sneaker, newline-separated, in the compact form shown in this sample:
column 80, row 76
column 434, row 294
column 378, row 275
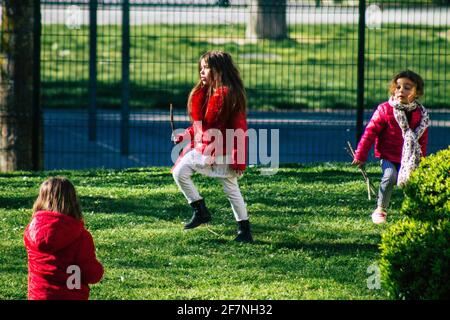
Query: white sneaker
column 379, row 216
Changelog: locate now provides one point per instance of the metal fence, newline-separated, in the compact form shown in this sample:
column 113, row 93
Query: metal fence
column 110, row 69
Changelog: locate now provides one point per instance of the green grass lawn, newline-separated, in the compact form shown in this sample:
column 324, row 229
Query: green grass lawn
column 316, row 67
column 313, row 235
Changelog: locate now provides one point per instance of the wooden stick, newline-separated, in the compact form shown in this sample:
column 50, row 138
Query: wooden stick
column 370, row 186
column 215, row 233
column 172, row 123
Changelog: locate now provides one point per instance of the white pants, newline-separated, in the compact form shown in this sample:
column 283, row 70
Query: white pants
column 182, row 174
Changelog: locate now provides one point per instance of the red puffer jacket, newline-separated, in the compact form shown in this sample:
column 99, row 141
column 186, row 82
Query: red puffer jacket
column 384, row 130
column 205, row 119
column 54, row 242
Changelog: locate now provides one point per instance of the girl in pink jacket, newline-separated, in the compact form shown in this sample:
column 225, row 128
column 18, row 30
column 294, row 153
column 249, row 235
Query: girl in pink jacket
column 399, row 129
column 61, row 252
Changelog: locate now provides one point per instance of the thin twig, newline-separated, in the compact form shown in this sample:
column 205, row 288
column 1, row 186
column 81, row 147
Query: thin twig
column 213, row 232
column 370, row 186
column 172, row 123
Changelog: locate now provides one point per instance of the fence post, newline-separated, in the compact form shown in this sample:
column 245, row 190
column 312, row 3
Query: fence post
column 125, row 127
column 360, row 80
column 92, row 70
column 38, row 132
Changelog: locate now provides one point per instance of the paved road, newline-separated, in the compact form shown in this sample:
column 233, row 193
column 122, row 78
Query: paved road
column 303, row 137
column 140, row 15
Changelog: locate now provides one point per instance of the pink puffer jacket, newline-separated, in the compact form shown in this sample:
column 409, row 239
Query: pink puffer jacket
column 384, row 131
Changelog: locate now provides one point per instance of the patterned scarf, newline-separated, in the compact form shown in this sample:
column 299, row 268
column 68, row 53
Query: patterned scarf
column 411, row 148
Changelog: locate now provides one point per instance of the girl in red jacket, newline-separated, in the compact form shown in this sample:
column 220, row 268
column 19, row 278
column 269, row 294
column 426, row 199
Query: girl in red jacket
column 399, row 129
column 217, row 144
column 61, row 252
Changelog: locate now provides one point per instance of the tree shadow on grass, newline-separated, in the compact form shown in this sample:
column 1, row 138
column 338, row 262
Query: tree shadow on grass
column 311, row 206
column 316, row 238
column 169, row 206
column 160, row 207
column 14, row 259
column 342, row 254
column 329, row 176
column 326, row 249
column 17, row 202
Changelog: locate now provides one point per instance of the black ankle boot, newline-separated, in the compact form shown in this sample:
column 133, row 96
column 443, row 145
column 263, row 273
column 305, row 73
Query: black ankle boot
column 201, row 215
column 244, row 234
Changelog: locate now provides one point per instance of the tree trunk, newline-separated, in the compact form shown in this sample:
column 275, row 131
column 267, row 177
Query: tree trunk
column 18, row 116
column 267, row 19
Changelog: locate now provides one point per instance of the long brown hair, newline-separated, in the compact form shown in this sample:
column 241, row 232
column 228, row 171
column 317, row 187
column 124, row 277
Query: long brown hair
column 58, row 194
column 224, row 73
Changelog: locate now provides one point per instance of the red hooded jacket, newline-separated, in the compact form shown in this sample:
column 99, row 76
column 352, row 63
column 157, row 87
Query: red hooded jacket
column 54, row 242
column 204, row 118
column 384, row 130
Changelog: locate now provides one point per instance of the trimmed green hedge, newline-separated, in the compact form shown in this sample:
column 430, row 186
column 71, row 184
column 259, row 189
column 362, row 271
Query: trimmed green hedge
column 415, row 252
column 415, row 260
column 427, row 193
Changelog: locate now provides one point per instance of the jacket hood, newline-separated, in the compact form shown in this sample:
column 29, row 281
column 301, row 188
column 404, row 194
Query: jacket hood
column 51, row 231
